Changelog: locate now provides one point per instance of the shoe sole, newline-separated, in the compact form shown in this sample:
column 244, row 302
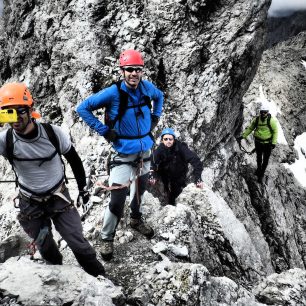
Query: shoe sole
column 107, row 257
column 150, row 236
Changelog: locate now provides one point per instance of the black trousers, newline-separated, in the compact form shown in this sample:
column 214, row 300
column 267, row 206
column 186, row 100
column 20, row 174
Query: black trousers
column 35, row 218
column 173, row 188
column 118, row 197
column 263, row 152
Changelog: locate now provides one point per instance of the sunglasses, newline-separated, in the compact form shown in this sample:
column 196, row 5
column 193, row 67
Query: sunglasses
column 21, row 110
column 131, row 69
column 166, row 139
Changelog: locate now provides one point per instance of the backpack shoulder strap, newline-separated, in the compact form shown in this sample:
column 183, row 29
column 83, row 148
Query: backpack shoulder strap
column 146, row 98
column 9, row 145
column 10, row 151
column 52, row 137
column 269, row 123
column 256, row 122
column 124, row 99
column 123, row 103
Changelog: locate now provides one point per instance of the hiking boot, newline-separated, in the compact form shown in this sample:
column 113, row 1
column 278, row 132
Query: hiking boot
column 143, row 228
column 107, row 249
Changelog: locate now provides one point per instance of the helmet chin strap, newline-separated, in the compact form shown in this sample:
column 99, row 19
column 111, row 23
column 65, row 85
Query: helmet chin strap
column 30, row 120
column 262, row 117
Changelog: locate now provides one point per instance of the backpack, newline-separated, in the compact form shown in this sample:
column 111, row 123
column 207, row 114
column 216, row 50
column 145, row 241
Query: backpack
column 53, row 139
column 123, row 106
column 268, row 123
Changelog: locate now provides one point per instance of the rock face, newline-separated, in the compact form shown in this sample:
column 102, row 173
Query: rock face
column 217, row 244
column 283, row 288
column 202, row 54
column 280, row 205
column 37, row 284
column 283, row 28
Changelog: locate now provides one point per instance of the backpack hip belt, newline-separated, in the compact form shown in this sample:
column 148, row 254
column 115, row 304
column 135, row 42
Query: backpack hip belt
column 133, row 137
column 134, row 163
column 44, row 197
column 268, row 140
column 40, row 200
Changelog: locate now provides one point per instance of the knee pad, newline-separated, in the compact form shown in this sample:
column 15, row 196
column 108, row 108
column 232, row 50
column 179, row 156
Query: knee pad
column 142, row 183
column 49, row 251
column 117, row 201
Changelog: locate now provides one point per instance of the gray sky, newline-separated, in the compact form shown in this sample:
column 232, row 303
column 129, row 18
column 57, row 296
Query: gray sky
column 279, row 7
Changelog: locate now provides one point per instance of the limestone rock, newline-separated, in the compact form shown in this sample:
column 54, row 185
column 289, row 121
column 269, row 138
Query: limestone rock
column 34, row 283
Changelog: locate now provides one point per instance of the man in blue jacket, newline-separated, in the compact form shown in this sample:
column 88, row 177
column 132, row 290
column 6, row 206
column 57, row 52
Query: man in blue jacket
column 129, row 121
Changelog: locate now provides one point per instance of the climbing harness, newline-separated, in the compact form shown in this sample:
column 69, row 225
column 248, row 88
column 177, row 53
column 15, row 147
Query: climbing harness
column 137, row 164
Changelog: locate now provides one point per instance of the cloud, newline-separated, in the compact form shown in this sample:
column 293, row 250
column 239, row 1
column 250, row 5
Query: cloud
column 286, row 7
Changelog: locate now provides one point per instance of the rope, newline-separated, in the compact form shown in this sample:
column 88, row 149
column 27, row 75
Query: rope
column 30, row 250
column 113, row 187
column 244, row 150
column 68, row 178
column 138, row 171
column 7, row 181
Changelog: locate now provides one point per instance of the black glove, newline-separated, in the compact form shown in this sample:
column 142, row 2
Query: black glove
column 111, row 135
column 273, row 146
column 83, row 198
column 154, row 122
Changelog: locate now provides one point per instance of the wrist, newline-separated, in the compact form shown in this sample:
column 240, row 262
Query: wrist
column 83, row 190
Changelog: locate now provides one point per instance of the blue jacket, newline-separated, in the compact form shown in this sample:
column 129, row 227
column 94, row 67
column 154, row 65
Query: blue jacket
column 131, row 124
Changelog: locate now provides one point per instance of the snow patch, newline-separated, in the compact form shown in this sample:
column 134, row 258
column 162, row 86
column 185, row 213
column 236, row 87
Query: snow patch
column 298, row 168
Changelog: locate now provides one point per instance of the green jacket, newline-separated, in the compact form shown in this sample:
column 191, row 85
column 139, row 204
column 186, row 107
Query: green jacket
column 262, row 133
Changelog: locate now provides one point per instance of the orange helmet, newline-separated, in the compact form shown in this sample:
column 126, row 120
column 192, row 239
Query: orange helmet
column 17, row 94
column 130, row 58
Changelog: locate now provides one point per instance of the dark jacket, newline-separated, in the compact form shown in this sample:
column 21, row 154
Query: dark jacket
column 172, row 163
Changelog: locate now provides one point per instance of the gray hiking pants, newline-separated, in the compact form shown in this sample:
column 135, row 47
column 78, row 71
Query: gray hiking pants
column 35, row 218
column 123, row 173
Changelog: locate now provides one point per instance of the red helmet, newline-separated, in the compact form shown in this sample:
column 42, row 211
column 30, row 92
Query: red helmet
column 131, row 58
